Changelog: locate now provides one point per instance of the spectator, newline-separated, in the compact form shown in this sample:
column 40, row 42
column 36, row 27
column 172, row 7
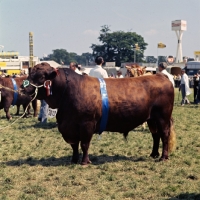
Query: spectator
column 86, row 71
column 98, row 71
column 43, row 112
column 74, row 67
column 196, row 80
column 162, row 68
column 184, row 87
column 119, row 74
column 178, row 80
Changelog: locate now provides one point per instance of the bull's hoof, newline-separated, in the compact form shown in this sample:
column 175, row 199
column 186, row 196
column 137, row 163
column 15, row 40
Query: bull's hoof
column 163, row 159
column 16, row 114
column 9, row 119
column 155, row 155
column 75, row 160
column 86, row 162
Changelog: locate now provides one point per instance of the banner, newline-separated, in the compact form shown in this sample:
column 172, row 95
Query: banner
column 161, row 45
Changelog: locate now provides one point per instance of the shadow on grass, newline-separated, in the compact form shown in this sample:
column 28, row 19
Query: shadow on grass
column 65, row 160
column 48, row 125
column 186, row 196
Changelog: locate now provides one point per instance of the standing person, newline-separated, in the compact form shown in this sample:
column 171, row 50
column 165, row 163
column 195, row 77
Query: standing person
column 74, row 67
column 119, row 74
column 195, row 86
column 162, row 68
column 43, row 112
column 184, row 87
column 178, row 80
column 98, row 71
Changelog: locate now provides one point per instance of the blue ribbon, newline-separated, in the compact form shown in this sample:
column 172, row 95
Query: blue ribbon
column 105, row 105
column 15, row 93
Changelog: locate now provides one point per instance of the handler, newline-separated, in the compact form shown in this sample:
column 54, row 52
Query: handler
column 162, row 68
column 98, row 71
column 43, row 116
column 184, row 87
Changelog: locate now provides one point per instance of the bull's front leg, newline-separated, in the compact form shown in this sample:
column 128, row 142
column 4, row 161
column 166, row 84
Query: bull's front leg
column 86, row 134
column 75, row 156
column 85, row 147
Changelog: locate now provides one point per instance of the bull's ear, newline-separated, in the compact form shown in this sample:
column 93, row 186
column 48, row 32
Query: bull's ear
column 51, row 75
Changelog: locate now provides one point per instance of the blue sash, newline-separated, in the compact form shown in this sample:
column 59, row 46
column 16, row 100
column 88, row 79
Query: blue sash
column 15, row 93
column 105, row 105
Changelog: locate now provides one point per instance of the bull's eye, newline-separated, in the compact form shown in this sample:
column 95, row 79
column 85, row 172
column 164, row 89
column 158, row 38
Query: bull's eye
column 26, row 83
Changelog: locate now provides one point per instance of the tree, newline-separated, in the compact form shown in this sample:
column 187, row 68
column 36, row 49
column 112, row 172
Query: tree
column 60, row 56
column 151, row 59
column 63, row 57
column 119, row 46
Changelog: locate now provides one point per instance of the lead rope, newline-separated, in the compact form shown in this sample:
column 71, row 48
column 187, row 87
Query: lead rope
column 36, row 92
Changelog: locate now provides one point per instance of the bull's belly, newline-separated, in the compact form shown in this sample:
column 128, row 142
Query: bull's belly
column 125, row 124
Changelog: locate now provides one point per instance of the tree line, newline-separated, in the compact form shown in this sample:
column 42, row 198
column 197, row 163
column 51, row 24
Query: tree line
column 117, row 46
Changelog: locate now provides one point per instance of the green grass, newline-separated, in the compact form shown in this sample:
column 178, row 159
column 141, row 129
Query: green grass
column 35, row 163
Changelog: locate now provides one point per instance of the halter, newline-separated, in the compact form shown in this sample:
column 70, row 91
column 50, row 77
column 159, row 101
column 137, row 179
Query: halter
column 26, row 83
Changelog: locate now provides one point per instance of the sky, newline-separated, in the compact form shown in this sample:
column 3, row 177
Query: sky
column 75, row 24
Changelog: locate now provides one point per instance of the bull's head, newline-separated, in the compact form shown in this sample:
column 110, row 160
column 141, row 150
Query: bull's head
column 39, row 77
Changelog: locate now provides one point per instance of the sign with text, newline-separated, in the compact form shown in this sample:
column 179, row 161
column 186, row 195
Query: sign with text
column 52, row 112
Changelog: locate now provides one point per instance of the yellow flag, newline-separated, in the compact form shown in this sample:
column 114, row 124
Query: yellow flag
column 161, row 45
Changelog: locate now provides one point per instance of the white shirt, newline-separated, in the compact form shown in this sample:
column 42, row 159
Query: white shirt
column 98, row 72
column 119, row 76
column 77, row 71
column 184, row 79
column 171, row 78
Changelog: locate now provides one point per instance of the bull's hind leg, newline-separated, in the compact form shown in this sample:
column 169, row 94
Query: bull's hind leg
column 18, row 108
column 75, row 156
column 6, row 109
column 156, row 138
column 34, row 105
column 164, row 130
column 28, row 110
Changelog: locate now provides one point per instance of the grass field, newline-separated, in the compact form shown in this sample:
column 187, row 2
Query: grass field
column 35, row 163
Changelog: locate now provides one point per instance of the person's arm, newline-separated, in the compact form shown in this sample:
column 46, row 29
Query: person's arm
column 105, row 74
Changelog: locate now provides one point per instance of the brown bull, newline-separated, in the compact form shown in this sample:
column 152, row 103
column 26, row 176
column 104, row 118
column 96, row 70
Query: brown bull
column 136, row 70
column 7, row 96
column 132, row 101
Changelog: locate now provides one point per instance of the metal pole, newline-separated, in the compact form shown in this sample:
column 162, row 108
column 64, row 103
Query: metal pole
column 134, row 55
column 157, row 56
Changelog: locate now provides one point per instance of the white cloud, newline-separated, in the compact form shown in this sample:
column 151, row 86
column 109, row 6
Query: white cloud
column 151, row 32
column 91, row 32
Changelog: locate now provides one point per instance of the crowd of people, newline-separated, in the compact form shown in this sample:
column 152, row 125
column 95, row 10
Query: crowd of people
column 180, row 81
column 14, row 75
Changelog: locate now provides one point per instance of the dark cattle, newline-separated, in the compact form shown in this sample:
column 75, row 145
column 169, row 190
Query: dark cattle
column 132, row 101
column 7, row 96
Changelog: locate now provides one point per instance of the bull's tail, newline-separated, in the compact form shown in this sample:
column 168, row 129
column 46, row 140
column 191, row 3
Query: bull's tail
column 172, row 137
